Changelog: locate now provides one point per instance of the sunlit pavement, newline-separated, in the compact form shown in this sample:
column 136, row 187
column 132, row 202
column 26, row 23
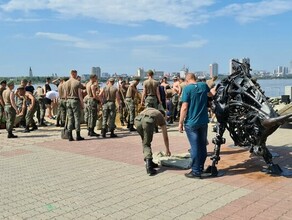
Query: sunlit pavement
column 46, row 177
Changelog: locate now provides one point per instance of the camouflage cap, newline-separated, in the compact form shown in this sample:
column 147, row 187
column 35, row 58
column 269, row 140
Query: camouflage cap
column 10, row 83
column 3, row 82
column 136, row 78
column 111, row 79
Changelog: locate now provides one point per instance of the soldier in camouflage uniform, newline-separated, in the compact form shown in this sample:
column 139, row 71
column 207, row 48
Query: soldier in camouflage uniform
column 73, row 105
column 41, row 107
column 109, row 95
column 92, row 105
column 130, row 96
column 145, row 123
column 2, row 88
column 150, row 92
column 123, row 87
column 10, row 108
column 21, row 103
column 30, row 108
column 61, row 115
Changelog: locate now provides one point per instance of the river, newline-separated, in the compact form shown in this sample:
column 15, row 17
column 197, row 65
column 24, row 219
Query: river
column 272, row 87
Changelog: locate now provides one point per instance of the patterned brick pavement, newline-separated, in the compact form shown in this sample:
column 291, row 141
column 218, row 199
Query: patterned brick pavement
column 45, row 177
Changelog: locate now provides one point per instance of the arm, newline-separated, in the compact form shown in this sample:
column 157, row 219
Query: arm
column 30, row 96
column 1, row 102
column 165, row 139
column 12, row 100
column 183, row 114
column 80, row 98
column 158, row 95
column 143, row 95
column 118, row 98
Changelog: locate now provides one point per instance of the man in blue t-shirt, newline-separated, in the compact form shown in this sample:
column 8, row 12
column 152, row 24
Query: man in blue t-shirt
column 194, row 118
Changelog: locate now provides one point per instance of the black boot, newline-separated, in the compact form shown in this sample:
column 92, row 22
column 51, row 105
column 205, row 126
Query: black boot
column 42, row 123
column 11, row 135
column 26, row 130
column 122, row 123
column 70, row 136
column 34, row 127
column 149, row 167
column 91, row 133
column 113, row 135
column 103, row 132
column 78, row 137
column 154, row 165
column 131, row 128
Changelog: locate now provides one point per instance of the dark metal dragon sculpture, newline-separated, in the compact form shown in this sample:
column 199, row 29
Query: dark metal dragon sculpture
column 242, row 108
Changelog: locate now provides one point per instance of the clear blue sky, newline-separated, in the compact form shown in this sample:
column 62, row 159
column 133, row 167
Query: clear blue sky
column 54, row 36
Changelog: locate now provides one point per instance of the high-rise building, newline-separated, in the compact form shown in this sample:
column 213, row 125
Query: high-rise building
column 96, row 71
column 290, row 71
column 213, row 69
column 141, row 73
column 30, row 72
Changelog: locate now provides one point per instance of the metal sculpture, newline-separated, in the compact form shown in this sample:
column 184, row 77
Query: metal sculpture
column 242, row 108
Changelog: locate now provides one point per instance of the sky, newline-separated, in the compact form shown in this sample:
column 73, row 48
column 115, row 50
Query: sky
column 55, row 36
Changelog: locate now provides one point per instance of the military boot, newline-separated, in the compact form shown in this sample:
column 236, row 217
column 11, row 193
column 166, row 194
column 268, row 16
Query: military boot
column 26, row 130
column 149, row 167
column 78, row 137
column 113, row 135
column 34, row 127
column 70, row 136
column 103, row 132
column 154, row 165
column 91, row 133
column 42, row 123
column 11, row 135
column 131, row 128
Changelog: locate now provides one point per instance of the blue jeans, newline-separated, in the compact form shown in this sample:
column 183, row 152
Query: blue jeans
column 197, row 136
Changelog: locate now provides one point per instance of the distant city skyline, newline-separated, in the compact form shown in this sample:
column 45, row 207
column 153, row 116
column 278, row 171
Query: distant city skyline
column 56, row 36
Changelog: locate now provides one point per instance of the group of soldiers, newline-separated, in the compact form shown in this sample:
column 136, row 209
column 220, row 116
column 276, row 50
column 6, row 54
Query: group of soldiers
column 159, row 104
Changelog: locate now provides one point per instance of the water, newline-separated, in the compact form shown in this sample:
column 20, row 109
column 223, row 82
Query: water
column 272, row 87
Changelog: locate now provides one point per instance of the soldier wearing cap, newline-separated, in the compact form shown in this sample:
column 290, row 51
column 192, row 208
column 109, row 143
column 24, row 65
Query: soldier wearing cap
column 123, row 87
column 10, row 108
column 61, row 113
column 92, row 104
column 21, row 103
column 74, row 104
column 130, row 96
column 150, row 92
column 41, row 107
column 109, row 95
column 175, row 97
column 145, row 123
column 29, row 107
column 2, row 88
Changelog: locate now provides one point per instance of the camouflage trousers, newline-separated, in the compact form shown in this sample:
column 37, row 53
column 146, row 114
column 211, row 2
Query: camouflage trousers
column 131, row 109
column 10, row 117
column 109, row 116
column 145, row 127
column 91, row 113
column 29, row 115
column 61, row 113
column 73, row 114
column 151, row 101
column 40, row 109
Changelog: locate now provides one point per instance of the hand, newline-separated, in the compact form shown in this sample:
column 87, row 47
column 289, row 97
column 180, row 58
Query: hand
column 180, row 127
column 167, row 153
column 17, row 111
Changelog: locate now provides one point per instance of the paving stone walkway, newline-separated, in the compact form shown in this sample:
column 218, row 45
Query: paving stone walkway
column 46, row 177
